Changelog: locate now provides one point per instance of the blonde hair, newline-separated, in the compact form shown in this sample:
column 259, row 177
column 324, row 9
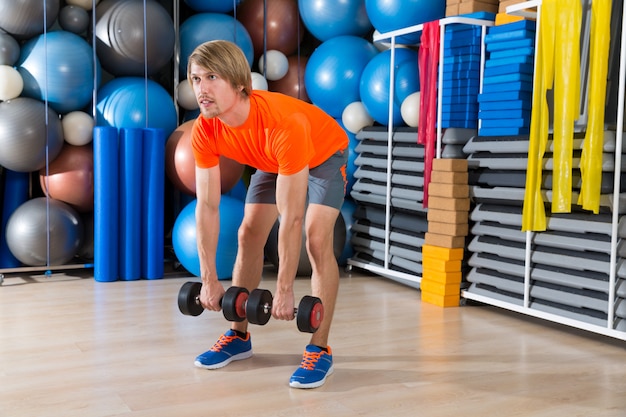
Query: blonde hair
column 225, row 59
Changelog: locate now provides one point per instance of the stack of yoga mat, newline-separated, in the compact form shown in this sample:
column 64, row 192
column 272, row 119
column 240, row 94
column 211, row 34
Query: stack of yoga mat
column 506, row 98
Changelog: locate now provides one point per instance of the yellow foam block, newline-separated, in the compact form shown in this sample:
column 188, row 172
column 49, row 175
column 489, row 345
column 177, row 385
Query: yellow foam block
column 440, row 264
column 441, row 300
column 439, row 252
column 438, row 288
column 441, row 277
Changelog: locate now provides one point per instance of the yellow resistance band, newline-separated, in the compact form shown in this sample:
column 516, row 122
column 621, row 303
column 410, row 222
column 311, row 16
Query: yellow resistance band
column 591, row 158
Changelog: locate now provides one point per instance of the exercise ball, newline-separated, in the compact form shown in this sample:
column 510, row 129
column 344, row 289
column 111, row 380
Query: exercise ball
column 333, row 72
column 327, row 19
column 184, row 237
column 185, row 96
column 388, row 15
column 122, row 45
column 9, row 49
column 410, row 109
column 275, row 22
column 59, row 68
column 122, row 103
column 26, row 142
column 273, row 64
column 374, row 85
column 44, row 231
column 355, row 117
column 304, row 265
column 74, row 19
column 77, row 128
column 69, row 177
column 180, row 164
column 213, row 6
column 11, row 83
column 259, row 82
column 292, row 84
column 25, row 18
column 204, row 27
column 84, row 4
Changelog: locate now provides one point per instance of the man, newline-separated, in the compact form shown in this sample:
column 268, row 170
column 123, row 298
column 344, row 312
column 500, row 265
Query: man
column 300, row 154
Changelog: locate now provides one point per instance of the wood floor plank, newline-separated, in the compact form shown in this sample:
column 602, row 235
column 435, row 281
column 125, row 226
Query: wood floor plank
column 73, row 347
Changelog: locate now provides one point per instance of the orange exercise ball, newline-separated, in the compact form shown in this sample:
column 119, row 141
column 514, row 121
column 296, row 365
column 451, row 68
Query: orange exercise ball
column 180, row 165
column 283, row 28
column 69, row 177
column 292, row 84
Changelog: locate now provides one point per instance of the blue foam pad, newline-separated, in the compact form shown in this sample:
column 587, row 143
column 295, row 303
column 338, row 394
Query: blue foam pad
column 459, row 27
column 505, row 105
column 507, row 78
column 503, row 131
column 460, row 75
column 458, row 41
column 529, row 51
column 504, row 114
column 471, row 90
column 462, row 58
column 461, row 66
column 480, row 15
column 511, row 86
column 504, row 96
column 457, row 108
column 461, row 50
column 513, row 35
column 448, row 100
column 459, row 115
column 507, row 27
column 466, row 124
column 509, row 69
column 512, row 60
column 461, row 83
column 519, row 122
column 509, row 45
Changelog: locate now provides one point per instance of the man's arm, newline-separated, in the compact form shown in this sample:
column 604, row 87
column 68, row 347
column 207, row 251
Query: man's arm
column 208, row 193
column 291, row 193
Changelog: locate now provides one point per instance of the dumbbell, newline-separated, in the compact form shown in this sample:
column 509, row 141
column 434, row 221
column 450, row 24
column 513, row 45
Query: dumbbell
column 237, row 305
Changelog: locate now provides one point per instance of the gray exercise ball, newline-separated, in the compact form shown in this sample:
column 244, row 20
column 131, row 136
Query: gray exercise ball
column 9, row 50
column 27, row 232
column 304, row 264
column 120, row 36
column 23, row 133
column 25, row 18
column 74, row 19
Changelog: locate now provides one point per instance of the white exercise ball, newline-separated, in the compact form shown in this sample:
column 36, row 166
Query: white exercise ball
column 275, row 64
column 355, row 117
column 410, row 109
column 11, row 83
column 77, row 128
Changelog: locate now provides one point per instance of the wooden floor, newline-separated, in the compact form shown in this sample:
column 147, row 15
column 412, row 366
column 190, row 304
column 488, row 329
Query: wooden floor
column 73, row 347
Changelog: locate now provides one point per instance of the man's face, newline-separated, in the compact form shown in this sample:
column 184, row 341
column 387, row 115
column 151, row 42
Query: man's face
column 214, row 94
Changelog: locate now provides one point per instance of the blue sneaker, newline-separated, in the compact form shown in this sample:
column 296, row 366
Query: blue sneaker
column 228, row 348
column 316, row 365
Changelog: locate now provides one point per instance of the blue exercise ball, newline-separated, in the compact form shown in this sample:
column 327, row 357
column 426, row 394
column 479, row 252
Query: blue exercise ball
column 326, row 19
column 122, row 103
column 333, row 72
column 59, row 67
column 374, row 87
column 184, row 237
column 25, row 18
column 30, row 134
column 124, row 46
column 213, row 6
column 389, row 15
column 204, row 27
column 44, row 232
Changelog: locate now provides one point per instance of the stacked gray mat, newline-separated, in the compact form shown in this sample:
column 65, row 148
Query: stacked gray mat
column 570, row 261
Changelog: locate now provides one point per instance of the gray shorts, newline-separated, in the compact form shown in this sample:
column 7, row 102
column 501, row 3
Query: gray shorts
column 327, row 183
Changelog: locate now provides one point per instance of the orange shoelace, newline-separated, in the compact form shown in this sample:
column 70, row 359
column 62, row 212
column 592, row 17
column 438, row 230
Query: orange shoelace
column 223, row 341
column 310, row 359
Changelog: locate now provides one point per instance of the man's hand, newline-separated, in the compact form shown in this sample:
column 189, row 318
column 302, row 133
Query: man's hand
column 211, row 295
column 283, row 305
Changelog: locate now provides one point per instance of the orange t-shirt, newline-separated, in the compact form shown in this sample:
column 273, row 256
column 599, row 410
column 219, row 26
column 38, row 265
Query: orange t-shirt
column 281, row 135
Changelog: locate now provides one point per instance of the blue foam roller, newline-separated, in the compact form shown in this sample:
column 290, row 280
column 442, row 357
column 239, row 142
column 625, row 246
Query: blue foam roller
column 504, row 96
column 130, row 203
column 106, row 198
column 153, row 203
column 16, row 186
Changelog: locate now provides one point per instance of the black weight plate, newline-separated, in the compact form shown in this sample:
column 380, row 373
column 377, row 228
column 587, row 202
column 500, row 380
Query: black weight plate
column 233, row 303
column 187, row 299
column 310, row 314
column 259, row 307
